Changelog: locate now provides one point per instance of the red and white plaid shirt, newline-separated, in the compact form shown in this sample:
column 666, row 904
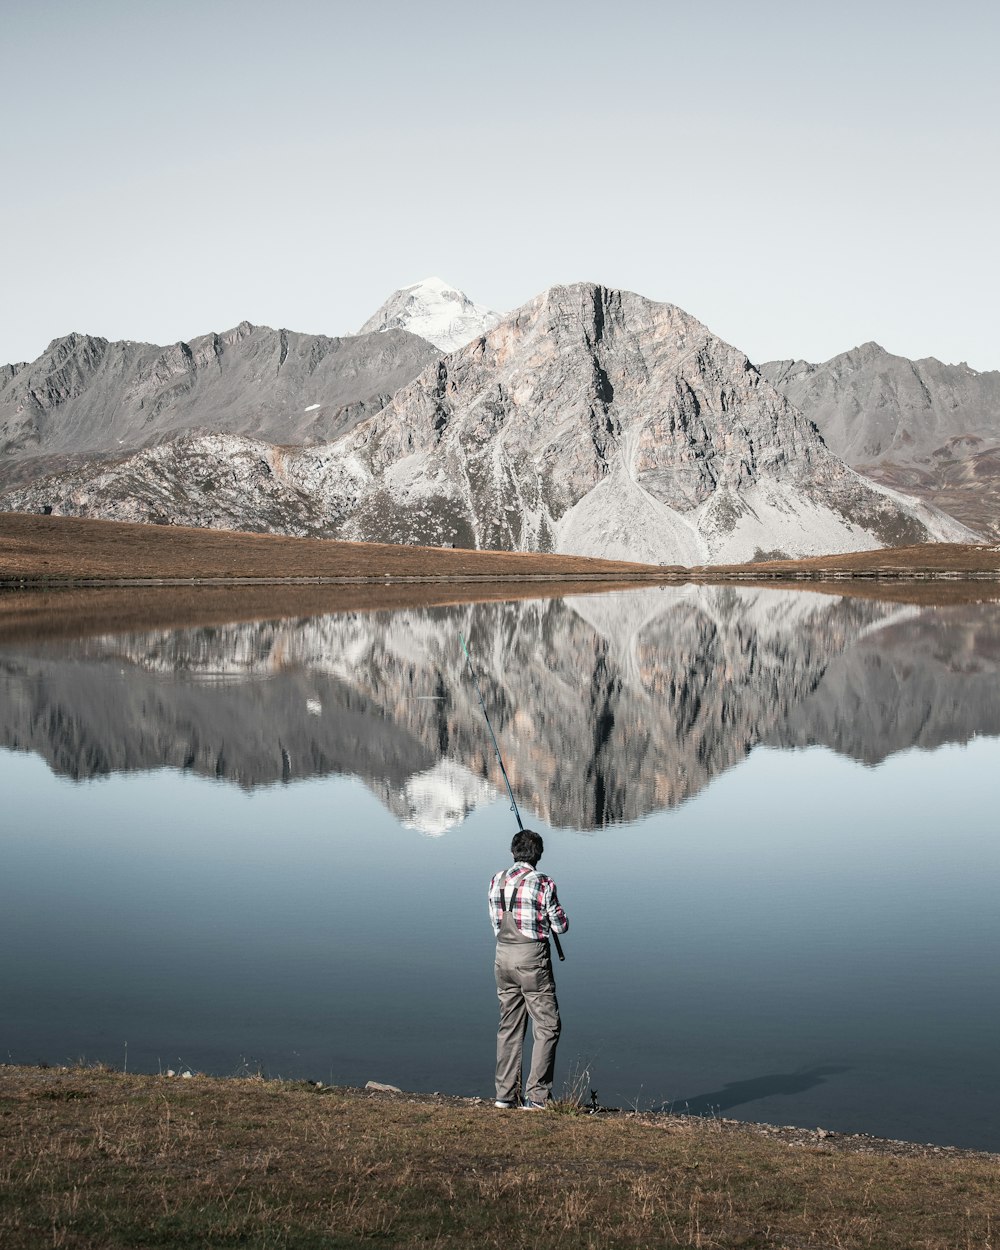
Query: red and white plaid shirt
column 536, row 909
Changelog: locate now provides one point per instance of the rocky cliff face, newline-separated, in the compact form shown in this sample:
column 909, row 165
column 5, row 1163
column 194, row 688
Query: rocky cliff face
column 590, row 421
column 917, row 425
column 86, row 395
column 598, row 422
column 219, row 481
column 608, row 707
column 436, row 311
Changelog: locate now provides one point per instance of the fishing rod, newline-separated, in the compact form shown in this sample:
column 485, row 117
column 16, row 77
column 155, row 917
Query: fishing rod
column 496, row 748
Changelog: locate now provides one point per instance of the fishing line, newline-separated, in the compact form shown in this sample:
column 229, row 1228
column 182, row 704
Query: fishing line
column 496, row 748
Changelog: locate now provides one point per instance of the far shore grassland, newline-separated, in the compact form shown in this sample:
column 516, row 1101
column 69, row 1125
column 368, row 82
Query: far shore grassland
column 51, row 550
column 95, row 1158
column 69, row 575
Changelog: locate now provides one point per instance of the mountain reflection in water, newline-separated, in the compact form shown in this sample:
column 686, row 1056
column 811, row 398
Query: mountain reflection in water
column 608, row 707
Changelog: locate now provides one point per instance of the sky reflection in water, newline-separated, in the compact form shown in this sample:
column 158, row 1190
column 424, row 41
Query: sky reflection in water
column 792, row 935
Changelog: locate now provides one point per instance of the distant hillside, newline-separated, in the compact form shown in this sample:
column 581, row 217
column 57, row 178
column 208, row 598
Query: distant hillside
column 85, row 395
column 927, row 428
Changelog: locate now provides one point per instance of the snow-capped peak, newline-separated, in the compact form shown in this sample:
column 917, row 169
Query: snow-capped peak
column 436, row 311
column 438, row 286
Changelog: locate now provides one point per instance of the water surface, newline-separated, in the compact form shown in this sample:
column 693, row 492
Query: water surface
column 771, row 817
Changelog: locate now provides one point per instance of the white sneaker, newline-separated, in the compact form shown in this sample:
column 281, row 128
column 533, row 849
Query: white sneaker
column 505, row 1104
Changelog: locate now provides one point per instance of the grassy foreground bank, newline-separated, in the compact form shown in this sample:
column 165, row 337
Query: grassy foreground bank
column 94, row 1158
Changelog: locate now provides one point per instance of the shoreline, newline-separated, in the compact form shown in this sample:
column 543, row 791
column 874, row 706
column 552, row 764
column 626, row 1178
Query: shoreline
column 789, row 1134
column 92, row 1157
column 62, row 577
column 701, row 577
column 51, row 551
column 64, row 612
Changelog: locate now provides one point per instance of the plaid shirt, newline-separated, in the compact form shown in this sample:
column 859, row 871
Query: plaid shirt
column 536, row 910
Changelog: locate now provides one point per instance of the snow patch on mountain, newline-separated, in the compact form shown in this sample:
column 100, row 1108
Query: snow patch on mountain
column 441, row 797
column 435, row 311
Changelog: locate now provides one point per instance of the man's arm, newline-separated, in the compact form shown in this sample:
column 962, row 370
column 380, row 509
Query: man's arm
column 557, row 918
column 494, row 903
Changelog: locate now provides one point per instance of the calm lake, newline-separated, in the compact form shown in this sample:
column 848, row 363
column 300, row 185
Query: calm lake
column 772, row 817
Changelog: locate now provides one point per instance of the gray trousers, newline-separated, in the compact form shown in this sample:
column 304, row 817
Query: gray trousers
column 526, row 987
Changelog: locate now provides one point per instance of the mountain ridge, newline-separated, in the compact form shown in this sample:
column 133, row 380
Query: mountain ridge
column 90, row 394
column 589, row 421
column 921, row 426
column 585, row 389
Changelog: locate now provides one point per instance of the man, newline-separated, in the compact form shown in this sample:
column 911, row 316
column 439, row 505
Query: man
column 524, row 910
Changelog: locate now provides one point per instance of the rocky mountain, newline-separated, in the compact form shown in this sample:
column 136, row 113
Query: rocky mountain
column 927, row 428
column 86, row 397
column 594, row 421
column 589, row 421
column 608, row 707
column 218, row 481
column 436, row 311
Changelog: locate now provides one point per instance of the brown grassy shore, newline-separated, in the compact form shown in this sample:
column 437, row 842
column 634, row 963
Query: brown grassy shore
column 97, row 1159
column 926, row 560
column 932, row 574
column 51, row 550
column 47, row 613
column 67, row 576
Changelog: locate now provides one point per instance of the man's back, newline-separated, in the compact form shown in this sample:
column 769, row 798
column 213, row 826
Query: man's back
column 532, row 898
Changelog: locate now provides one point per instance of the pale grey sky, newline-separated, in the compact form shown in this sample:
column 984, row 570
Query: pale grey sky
column 801, row 176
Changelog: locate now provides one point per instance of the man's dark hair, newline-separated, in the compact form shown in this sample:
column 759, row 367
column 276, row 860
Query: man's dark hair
column 527, row 847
